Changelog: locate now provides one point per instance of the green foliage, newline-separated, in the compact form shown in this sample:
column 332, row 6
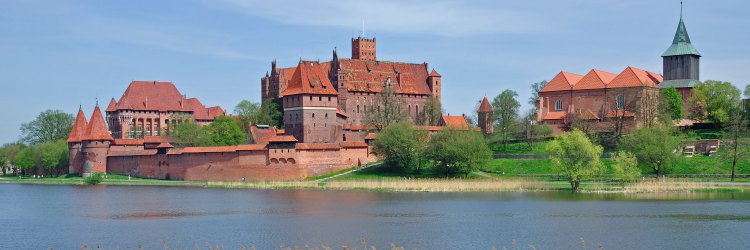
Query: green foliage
column 386, row 110
column 626, row 167
column 246, row 111
column 94, row 179
column 188, row 133
column 714, row 100
column 269, row 113
column 431, row 113
column 735, row 141
column 223, row 131
column 575, row 157
column 50, row 125
column 653, row 147
column 673, row 103
column 25, row 159
column 53, row 155
column 458, row 151
column 401, row 146
column 747, row 91
column 505, row 108
column 535, row 88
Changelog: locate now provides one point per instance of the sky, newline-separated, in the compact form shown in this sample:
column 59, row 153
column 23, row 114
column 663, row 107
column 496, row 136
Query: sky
column 62, row 54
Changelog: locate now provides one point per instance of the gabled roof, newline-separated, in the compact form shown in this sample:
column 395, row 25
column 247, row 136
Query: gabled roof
column 163, row 97
column 485, row 107
column 371, row 76
column 458, row 121
column 562, row 81
column 557, row 115
column 310, row 78
column 635, row 77
column 681, row 43
column 283, row 138
column 97, row 128
column 79, row 127
column 434, row 73
column 595, row 79
column 112, row 105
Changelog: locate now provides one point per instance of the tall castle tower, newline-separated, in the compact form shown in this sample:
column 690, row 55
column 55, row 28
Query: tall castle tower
column 484, row 117
column 364, row 48
column 681, row 64
column 95, row 145
column 75, row 156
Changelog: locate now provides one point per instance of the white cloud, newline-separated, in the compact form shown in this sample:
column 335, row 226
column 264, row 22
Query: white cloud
column 445, row 18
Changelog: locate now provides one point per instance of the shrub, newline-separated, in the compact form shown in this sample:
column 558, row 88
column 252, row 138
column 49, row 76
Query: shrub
column 94, row 179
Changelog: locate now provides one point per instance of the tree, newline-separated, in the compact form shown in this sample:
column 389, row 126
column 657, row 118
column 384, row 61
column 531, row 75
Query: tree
column 505, row 107
column 431, row 113
column 10, row 152
column 401, row 146
column 223, row 131
column 626, row 167
column 534, row 99
column 534, row 130
column 672, row 103
column 53, row 155
column 653, row 147
column 458, row 151
column 246, row 112
column 735, row 140
column 271, row 112
column 50, row 125
column 747, row 91
column 188, row 133
column 387, row 109
column 25, row 160
column 714, row 100
column 575, row 157
column 268, row 113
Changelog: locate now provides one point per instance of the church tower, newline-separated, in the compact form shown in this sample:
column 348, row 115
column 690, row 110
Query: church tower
column 681, row 60
column 484, row 117
column 364, row 48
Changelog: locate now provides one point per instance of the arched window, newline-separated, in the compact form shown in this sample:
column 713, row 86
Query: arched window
column 558, row 105
column 620, row 102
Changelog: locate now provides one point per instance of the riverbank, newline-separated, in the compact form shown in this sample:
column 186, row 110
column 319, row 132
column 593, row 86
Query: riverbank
column 422, row 185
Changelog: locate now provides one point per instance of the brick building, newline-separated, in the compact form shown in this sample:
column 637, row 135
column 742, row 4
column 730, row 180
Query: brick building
column 610, row 102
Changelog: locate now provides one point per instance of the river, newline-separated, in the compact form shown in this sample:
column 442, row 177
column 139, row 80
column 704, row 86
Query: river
column 64, row 217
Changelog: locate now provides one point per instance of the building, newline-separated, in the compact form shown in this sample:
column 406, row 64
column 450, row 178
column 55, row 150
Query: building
column 151, row 108
column 484, row 117
column 327, row 101
column 607, row 102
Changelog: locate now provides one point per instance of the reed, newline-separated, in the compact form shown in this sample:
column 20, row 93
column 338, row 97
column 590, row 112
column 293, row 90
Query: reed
column 443, row 185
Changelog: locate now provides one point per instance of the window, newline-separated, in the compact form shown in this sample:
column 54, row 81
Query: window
column 558, row 105
column 620, row 102
column 310, row 98
column 329, row 98
column 320, row 98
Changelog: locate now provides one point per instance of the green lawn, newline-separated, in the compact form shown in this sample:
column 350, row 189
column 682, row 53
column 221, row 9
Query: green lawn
column 519, row 148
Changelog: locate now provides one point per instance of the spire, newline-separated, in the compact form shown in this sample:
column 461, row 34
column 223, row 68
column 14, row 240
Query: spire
column 681, row 43
column 97, row 128
column 79, row 127
column 485, row 107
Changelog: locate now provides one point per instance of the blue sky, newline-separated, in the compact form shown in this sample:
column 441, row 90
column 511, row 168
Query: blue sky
column 61, row 54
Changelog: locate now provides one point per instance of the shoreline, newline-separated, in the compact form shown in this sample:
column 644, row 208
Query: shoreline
column 423, row 185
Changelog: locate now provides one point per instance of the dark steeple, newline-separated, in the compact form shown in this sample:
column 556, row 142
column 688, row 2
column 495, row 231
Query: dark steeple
column 681, row 60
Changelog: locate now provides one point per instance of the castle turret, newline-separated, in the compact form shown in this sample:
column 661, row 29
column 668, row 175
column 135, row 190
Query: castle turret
column 75, row 156
column 484, row 117
column 433, row 79
column 364, row 48
column 95, row 145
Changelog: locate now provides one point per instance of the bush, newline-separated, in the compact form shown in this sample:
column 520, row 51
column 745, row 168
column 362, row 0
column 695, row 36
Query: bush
column 94, row 179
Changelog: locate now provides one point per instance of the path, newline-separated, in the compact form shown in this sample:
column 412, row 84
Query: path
column 348, row 172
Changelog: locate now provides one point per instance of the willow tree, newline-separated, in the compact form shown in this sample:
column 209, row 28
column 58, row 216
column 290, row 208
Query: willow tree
column 575, row 156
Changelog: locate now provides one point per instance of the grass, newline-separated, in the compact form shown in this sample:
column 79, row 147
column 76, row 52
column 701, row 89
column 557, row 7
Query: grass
column 323, row 176
column 519, row 147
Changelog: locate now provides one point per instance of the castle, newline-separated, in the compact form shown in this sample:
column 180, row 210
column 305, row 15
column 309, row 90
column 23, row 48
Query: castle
column 609, row 102
column 324, row 108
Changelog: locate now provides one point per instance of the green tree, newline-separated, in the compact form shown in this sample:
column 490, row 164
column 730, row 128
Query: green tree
column 505, row 108
column 9, row 153
column 626, row 167
column 386, row 110
column 672, row 101
column 401, row 146
column 535, row 88
column 246, row 113
column 223, row 131
column 53, row 155
column 653, row 147
column 431, row 113
column 188, row 133
column 26, row 159
column 458, row 151
column 714, row 100
column 747, row 91
column 575, row 156
column 272, row 113
column 735, row 141
column 50, row 125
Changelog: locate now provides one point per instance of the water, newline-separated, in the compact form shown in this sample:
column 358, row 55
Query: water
column 64, row 217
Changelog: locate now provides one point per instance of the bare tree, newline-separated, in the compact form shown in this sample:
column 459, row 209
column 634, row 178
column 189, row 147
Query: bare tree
column 735, row 133
column 387, row 109
column 431, row 113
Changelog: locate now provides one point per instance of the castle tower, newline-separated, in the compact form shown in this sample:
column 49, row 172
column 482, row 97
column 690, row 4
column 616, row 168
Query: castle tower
column 95, row 145
column 75, row 156
column 484, row 117
column 681, row 64
column 309, row 103
column 434, row 81
column 364, row 48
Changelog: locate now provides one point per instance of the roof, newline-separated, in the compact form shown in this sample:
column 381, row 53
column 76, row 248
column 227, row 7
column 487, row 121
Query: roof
column 595, row 79
column 454, row 121
column 310, row 78
column 679, row 83
column 371, row 136
column 681, row 43
column 97, row 128
column 434, row 73
column 317, row 146
column 341, row 112
column 283, row 138
column 251, row 147
column 163, row 97
column 588, row 115
column 619, row 113
column 558, row 115
column 128, row 142
column 79, row 127
column 562, row 81
column 371, row 76
column 261, row 135
column 353, row 144
column 635, row 77
column 485, row 107
column 164, row 145
column 132, row 152
column 218, row 149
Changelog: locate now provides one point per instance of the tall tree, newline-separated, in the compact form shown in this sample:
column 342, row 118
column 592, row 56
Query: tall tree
column 188, row 133
column 458, row 151
column 53, row 156
column 401, row 146
column 271, row 112
column 26, row 159
column 747, row 91
column 736, row 141
column 575, row 156
column 387, row 109
column 535, row 88
column 431, row 113
column 672, row 103
column 653, row 147
column 223, row 131
column 714, row 100
column 505, row 108
column 50, row 125
column 246, row 112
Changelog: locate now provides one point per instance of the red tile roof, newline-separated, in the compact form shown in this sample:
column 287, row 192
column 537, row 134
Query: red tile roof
column 132, row 152
column 588, row 115
column 620, row 113
column 310, row 78
column 635, row 77
column 559, row 115
column 458, row 122
column 97, row 128
column 562, row 81
column 161, row 96
column 251, row 147
column 595, row 79
column 112, row 105
column 261, row 135
column 164, row 145
column 283, row 138
column 218, row 149
column 371, row 136
column 434, row 73
column 128, row 142
column 79, row 127
column 317, row 146
column 370, row 76
column 485, row 106
column 353, row 144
